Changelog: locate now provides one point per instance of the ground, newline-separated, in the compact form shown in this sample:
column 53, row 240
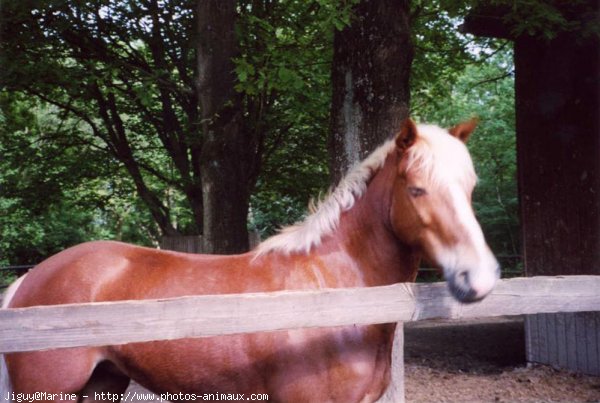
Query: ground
column 482, row 361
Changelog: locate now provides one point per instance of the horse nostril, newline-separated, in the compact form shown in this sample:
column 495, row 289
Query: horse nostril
column 460, row 287
column 463, row 278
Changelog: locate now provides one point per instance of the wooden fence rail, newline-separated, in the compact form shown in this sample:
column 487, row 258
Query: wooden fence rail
column 110, row 323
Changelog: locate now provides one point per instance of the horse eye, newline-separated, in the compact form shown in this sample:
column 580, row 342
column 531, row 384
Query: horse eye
column 416, row 191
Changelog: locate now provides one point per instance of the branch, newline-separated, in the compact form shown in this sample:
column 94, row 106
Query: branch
column 70, row 109
column 495, row 52
column 159, row 175
column 492, row 79
column 276, row 143
column 443, row 51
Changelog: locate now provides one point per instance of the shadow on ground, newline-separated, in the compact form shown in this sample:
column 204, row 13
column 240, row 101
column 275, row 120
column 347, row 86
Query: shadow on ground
column 488, row 347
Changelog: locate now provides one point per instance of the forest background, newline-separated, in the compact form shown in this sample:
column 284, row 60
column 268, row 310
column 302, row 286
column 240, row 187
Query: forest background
column 104, row 131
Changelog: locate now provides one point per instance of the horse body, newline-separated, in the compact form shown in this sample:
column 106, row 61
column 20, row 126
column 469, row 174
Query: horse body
column 370, row 246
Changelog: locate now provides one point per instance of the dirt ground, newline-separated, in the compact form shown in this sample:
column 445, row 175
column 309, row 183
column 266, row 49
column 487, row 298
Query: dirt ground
column 482, row 361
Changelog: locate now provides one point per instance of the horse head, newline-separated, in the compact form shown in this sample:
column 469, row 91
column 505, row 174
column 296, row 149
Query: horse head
column 431, row 207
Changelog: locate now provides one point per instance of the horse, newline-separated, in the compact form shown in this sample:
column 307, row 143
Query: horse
column 410, row 199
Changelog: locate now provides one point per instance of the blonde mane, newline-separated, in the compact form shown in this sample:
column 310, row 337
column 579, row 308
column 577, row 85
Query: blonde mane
column 430, row 153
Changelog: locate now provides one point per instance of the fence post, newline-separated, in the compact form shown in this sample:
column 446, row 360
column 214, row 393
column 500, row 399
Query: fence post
column 395, row 390
column 182, row 243
column 193, row 243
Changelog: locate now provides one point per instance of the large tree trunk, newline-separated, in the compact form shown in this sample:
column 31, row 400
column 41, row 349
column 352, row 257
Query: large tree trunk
column 370, row 79
column 225, row 151
column 370, row 76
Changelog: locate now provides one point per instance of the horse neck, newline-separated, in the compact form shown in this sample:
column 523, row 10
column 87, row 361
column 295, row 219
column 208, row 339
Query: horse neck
column 365, row 233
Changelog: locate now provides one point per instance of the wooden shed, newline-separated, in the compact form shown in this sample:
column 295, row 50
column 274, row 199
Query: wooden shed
column 557, row 85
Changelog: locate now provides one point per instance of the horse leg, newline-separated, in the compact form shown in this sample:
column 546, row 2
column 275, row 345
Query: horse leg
column 107, row 383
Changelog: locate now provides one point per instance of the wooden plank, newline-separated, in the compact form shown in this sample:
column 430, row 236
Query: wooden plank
column 581, row 365
column 569, row 340
column 550, row 337
column 531, row 338
column 592, row 342
column 193, row 243
column 561, row 333
column 46, row 327
column 597, row 317
column 182, row 243
column 395, row 391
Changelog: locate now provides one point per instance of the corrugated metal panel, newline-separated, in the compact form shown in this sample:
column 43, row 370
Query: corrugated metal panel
column 565, row 340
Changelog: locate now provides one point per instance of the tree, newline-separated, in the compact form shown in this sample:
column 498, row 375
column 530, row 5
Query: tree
column 115, row 92
column 370, row 78
column 127, row 70
column 453, row 77
column 140, row 83
column 54, row 194
column 284, row 72
column 229, row 152
column 107, row 64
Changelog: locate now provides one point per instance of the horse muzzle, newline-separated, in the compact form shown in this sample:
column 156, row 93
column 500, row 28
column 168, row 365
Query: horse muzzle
column 471, row 285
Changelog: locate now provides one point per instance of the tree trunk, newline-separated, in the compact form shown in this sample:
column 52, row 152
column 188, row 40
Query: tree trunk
column 225, row 151
column 370, row 77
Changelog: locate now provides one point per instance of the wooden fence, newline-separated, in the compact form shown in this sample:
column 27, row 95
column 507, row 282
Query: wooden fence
column 194, row 243
column 110, row 323
column 565, row 340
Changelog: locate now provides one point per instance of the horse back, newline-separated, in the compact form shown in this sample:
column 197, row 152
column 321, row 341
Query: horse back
column 109, row 271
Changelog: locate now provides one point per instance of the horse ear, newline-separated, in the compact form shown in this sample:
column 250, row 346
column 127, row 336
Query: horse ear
column 407, row 135
column 462, row 131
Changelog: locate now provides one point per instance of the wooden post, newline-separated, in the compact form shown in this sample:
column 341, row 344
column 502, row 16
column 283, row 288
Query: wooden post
column 181, row 243
column 395, row 390
column 193, row 243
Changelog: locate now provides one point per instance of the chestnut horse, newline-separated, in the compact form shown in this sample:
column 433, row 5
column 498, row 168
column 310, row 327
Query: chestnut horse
column 411, row 198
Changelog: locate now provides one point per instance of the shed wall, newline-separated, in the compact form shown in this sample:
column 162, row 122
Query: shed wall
column 558, row 150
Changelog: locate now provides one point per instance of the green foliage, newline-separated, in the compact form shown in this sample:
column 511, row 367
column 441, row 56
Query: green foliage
column 441, row 50
column 62, row 180
column 7, row 277
column 117, row 78
column 83, row 54
column 56, row 191
column 284, row 73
